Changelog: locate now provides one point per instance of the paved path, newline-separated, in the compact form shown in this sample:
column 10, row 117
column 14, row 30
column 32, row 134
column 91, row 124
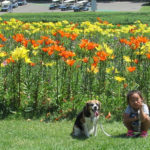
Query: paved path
column 120, row 6
column 101, row 6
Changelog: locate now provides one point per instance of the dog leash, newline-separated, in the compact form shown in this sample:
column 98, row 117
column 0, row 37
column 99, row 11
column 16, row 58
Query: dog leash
column 101, row 126
column 139, row 126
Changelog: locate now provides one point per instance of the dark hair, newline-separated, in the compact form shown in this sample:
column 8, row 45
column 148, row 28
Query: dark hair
column 130, row 93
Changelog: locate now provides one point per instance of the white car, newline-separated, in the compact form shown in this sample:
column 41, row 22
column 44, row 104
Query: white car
column 6, row 6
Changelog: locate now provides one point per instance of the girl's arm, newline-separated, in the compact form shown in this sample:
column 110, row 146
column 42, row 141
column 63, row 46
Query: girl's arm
column 143, row 116
column 128, row 119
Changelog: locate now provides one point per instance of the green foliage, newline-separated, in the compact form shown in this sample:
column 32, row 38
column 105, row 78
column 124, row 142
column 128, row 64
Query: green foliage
column 145, row 8
column 77, row 17
column 59, row 90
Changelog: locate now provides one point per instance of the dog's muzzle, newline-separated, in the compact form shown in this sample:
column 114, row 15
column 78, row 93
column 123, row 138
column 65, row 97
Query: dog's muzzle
column 95, row 110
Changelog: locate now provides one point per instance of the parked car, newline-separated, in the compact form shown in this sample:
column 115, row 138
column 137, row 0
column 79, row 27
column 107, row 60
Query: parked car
column 64, row 7
column 82, row 6
column 14, row 3
column 6, row 6
column 22, row 2
column 67, row 5
column 53, row 6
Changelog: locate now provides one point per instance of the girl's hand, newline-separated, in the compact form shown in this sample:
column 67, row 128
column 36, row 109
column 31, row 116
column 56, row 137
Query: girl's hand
column 135, row 119
column 140, row 105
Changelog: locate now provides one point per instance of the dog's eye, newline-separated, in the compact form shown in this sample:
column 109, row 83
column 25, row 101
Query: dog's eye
column 91, row 104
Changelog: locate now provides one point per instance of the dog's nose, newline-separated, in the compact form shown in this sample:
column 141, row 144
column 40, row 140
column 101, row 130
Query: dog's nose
column 95, row 107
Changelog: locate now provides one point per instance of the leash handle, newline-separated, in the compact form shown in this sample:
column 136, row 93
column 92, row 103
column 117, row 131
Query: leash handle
column 139, row 117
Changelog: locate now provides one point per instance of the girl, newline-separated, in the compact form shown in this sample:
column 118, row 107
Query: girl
column 136, row 116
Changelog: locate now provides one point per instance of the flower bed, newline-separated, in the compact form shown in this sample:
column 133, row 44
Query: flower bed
column 55, row 67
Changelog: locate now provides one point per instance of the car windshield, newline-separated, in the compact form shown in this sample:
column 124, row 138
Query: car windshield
column 5, row 6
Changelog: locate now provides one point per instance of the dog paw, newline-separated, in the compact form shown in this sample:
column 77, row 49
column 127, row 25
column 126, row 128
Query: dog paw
column 87, row 135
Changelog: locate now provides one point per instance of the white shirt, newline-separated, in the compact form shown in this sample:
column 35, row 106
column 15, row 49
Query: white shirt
column 130, row 110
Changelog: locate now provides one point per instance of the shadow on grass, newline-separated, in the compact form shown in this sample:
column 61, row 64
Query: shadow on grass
column 124, row 136
column 146, row 4
column 81, row 137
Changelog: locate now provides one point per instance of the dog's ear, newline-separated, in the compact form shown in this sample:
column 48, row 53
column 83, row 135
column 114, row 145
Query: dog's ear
column 86, row 110
column 99, row 104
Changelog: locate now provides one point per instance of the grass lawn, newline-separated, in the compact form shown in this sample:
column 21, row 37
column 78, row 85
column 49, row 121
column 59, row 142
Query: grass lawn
column 36, row 135
column 145, row 8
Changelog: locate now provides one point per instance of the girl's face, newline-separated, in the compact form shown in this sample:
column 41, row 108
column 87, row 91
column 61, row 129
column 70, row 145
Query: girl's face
column 135, row 101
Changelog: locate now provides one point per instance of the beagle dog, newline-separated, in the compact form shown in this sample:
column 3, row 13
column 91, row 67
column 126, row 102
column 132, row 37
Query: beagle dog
column 86, row 121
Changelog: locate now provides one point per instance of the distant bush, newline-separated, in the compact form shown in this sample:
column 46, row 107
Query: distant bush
column 77, row 17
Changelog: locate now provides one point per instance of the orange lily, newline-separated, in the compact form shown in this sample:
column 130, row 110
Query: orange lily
column 67, row 54
column 18, row 37
column 102, row 55
column 108, row 116
column 3, row 38
column 85, row 60
column 148, row 55
column 70, row 62
column 1, row 45
column 131, row 69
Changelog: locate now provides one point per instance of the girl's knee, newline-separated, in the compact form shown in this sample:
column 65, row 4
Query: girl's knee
column 146, row 124
column 128, row 125
column 146, row 121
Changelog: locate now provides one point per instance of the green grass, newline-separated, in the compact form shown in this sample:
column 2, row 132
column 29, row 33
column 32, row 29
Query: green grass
column 145, row 8
column 36, row 135
column 113, row 17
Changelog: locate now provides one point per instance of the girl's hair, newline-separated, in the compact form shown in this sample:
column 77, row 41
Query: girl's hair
column 130, row 93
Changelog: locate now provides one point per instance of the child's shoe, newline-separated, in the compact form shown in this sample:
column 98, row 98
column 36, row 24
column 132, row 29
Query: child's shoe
column 130, row 133
column 143, row 134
